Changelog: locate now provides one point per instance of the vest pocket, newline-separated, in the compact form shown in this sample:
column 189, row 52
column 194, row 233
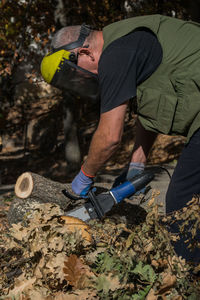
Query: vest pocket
column 188, row 105
column 156, row 110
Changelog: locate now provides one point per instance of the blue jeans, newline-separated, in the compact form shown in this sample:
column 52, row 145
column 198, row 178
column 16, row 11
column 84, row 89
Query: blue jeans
column 185, row 183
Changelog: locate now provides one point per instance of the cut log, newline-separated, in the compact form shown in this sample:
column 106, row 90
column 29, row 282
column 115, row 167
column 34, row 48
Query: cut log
column 31, row 189
column 41, row 189
column 24, row 186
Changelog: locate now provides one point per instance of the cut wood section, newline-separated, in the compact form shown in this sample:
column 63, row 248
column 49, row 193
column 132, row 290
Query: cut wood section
column 31, row 184
column 41, row 189
column 24, row 186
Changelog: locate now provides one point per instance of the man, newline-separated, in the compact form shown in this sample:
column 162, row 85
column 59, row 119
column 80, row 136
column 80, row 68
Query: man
column 155, row 58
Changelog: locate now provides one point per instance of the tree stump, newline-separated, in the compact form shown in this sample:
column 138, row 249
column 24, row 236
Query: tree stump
column 31, row 188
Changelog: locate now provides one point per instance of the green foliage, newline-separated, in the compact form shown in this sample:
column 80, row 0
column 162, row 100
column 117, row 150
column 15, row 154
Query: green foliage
column 142, row 293
column 107, row 262
column 145, row 272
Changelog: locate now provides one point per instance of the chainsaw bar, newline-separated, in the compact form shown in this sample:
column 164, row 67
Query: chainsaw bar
column 95, row 208
column 80, row 213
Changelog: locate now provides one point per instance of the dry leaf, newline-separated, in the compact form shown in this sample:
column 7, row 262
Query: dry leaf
column 33, row 295
column 22, row 284
column 73, row 224
column 19, row 297
column 56, row 243
column 148, row 247
column 151, row 201
column 114, row 282
column 151, row 295
column 76, row 295
column 39, row 268
column 54, row 265
column 162, row 263
column 168, row 282
column 18, row 232
column 75, row 272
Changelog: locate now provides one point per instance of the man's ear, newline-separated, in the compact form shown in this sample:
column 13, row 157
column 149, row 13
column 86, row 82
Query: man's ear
column 86, row 51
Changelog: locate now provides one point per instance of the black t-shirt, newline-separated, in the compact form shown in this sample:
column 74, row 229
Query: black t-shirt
column 124, row 64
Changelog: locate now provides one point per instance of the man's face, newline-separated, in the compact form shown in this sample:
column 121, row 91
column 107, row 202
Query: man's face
column 87, row 60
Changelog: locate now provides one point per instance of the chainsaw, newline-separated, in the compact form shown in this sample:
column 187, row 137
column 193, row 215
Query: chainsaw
column 98, row 205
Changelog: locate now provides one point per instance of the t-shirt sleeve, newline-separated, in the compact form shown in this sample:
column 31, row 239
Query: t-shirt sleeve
column 124, row 64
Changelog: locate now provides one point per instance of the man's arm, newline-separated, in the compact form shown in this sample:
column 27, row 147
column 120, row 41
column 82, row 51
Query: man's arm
column 104, row 142
column 143, row 143
column 105, row 139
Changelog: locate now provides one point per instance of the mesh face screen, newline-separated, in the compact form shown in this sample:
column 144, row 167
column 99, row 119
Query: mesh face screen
column 76, row 80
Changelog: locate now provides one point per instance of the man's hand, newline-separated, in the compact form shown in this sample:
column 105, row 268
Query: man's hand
column 129, row 173
column 142, row 146
column 81, row 184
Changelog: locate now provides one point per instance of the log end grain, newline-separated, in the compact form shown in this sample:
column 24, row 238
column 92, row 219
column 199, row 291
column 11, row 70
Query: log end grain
column 24, row 186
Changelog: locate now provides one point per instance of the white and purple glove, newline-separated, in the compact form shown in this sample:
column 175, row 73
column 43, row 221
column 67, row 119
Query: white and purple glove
column 129, row 173
column 82, row 184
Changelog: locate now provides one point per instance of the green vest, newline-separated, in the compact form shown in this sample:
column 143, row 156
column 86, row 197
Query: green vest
column 169, row 100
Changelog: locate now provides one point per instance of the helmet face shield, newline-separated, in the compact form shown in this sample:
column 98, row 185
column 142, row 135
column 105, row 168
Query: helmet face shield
column 59, row 69
column 76, row 80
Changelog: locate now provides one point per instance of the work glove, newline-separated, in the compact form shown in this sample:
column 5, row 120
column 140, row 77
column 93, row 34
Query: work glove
column 82, row 184
column 129, row 173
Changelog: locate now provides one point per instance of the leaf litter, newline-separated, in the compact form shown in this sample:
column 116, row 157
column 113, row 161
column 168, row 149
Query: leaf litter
column 41, row 259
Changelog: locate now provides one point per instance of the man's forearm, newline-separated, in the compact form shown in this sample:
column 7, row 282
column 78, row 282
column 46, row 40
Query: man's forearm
column 100, row 151
column 143, row 144
column 106, row 139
